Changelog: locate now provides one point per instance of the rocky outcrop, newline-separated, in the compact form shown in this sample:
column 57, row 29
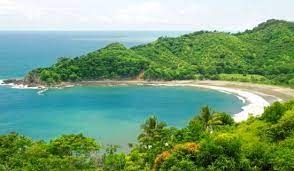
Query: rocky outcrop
column 21, row 82
column 13, row 81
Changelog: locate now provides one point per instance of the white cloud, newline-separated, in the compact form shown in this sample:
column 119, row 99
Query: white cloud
column 140, row 14
column 145, row 13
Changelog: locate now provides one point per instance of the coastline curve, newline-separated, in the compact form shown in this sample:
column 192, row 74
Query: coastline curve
column 254, row 101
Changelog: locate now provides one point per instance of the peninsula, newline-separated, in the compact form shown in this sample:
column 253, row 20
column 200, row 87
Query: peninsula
column 264, row 54
column 211, row 140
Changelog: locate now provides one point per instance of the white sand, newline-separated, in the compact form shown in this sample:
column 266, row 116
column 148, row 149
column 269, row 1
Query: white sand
column 254, row 104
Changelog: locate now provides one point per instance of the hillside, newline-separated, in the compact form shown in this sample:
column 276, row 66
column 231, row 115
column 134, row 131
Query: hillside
column 264, row 54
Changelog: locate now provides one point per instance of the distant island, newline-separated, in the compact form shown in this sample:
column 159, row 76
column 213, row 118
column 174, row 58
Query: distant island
column 264, row 54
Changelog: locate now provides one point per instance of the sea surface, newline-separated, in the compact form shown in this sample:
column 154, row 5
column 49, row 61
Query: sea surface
column 112, row 115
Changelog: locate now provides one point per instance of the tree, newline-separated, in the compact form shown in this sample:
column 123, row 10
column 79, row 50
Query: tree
column 263, row 54
column 284, row 128
column 281, row 156
column 113, row 161
column 77, row 145
column 221, row 119
column 205, row 116
column 155, row 138
column 152, row 130
column 12, row 148
column 220, row 152
column 255, row 144
column 273, row 113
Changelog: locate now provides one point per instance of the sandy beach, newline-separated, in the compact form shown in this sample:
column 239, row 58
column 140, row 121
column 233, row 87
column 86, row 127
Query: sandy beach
column 254, row 96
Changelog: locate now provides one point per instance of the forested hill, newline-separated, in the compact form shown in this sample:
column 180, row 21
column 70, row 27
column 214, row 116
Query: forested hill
column 264, row 54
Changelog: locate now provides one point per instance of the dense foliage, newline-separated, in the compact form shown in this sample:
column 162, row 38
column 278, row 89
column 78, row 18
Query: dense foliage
column 264, row 54
column 210, row 141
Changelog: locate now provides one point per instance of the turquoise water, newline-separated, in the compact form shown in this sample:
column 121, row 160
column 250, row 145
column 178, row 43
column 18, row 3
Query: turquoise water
column 109, row 114
column 22, row 51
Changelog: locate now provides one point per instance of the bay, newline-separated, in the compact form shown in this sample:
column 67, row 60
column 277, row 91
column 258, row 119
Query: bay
column 109, row 114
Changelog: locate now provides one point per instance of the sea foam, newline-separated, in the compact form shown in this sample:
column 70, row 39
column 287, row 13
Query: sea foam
column 18, row 86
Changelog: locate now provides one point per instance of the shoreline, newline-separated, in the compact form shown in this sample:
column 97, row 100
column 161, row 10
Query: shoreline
column 254, row 96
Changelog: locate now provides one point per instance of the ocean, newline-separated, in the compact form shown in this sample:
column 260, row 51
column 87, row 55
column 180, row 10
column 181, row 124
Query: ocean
column 111, row 115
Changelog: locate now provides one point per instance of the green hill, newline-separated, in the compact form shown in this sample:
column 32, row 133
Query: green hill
column 264, row 54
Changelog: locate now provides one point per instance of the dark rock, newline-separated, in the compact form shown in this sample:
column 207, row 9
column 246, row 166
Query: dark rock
column 13, row 81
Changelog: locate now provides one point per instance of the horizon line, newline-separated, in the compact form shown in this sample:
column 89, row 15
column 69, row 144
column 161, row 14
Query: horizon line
column 124, row 30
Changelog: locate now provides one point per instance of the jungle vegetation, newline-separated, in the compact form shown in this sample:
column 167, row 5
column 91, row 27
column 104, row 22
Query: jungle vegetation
column 264, row 54
column 210, row 141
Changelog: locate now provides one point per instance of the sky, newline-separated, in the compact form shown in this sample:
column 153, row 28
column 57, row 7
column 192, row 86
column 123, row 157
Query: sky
column 223, row 15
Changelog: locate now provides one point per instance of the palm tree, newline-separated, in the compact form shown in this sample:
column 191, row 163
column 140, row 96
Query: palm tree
column 205, row 116
column 152, row 129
